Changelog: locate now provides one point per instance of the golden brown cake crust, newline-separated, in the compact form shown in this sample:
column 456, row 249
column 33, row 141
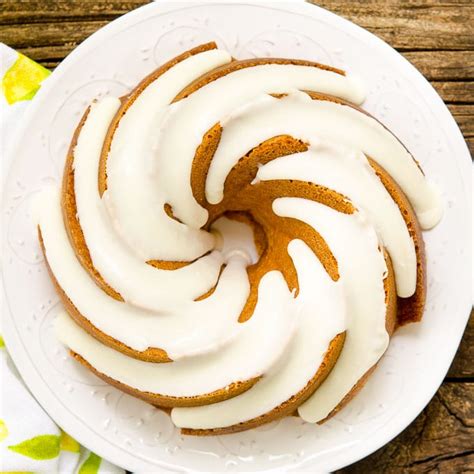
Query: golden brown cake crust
column 71, row 222
column 164, row 401
column 410, row 310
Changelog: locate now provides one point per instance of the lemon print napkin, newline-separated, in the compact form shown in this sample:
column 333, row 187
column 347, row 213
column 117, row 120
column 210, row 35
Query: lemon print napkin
column 21, row 77
column 30, row 442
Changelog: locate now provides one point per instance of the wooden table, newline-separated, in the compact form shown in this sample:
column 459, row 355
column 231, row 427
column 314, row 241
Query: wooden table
column 438, row 38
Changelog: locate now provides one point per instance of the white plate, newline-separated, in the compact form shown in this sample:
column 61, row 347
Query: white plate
column 134, row 434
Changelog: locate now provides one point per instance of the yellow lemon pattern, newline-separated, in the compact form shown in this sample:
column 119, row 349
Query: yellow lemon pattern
column 68, row 443
column 3, row 430
column 16, row 472
column 23, row 79
column 2, row 342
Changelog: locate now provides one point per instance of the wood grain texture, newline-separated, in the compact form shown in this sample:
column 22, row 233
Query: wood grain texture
column 462, row 368
column 437, row 37
column 412, row 25
column 440, row 440
column 443, row 65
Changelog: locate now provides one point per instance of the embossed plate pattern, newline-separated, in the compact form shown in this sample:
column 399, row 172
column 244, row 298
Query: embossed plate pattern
column 134, row 434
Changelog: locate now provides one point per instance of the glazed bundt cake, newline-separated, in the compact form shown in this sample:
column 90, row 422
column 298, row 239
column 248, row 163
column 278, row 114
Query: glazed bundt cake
column 236, row 240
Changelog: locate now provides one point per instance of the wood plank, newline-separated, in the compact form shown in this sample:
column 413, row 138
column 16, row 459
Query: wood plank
column 463, row 366
column 413, row 25
column 443, row 65
column 455, row 92
column 48, row 56
column 427, row 24
column 439, row 440
column 464, row 116
column 470, row 145
column 49, row 34
column 14, row 12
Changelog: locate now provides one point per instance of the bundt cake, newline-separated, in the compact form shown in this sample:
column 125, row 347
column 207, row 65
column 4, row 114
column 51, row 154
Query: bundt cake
column 236, row 240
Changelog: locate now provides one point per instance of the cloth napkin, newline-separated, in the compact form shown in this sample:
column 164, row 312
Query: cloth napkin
column 30, row 442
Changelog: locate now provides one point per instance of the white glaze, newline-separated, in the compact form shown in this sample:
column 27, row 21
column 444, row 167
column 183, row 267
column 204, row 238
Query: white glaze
column 136, row 281
column 177, row 332
column 211, row 104
column 133, row 193
column 349, row 173
column 324, row 120
column 277, row 315
column 248, row 355
column 362, row 268
column 319, row 309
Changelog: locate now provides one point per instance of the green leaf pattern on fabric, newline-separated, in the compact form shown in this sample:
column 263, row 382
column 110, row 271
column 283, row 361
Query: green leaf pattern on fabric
column 3, row 430
column 40, row 447
column 91, row 465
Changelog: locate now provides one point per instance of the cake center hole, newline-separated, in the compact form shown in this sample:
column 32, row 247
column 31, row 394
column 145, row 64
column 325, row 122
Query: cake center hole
column 238, row 232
